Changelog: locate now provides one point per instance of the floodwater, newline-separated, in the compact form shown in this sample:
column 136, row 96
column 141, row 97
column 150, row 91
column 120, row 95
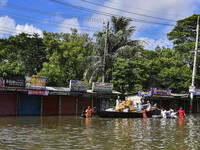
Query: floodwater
column 74, row 132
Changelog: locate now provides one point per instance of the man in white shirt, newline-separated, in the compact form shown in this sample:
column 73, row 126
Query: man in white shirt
column 118, row 101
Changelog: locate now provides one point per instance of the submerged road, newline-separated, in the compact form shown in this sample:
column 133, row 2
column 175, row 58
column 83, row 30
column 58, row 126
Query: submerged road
column 74, row 132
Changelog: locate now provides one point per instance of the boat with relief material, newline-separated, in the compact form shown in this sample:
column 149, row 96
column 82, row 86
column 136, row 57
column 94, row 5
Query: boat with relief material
column 110, row 114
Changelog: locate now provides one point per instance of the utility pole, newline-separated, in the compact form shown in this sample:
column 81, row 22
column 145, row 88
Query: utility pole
column 194, row 65
column 105, row 53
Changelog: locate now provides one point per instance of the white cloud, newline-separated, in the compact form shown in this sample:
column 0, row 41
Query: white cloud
column 166, row 9
column 3, row 2
column 8, row 26
column 30, row 29
column 151, row 44
column 67, row 24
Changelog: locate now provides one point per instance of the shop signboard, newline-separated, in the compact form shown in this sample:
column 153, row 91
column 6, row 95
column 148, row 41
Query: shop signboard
column 14, row 82
column 197, row 92
column 102, row 87
column 160, row 91
column 38, row 92
column 192, row 89
column 78, row 86
column 35, row 83
column 2, row 82
column 144, row 93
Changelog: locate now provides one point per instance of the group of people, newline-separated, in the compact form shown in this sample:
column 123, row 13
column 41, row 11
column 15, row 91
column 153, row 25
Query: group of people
column 138, row 106
column 141, row 107
column 170, row 113
column 86, row 112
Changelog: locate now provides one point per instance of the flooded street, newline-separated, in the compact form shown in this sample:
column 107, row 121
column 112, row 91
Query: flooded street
column 74, row 132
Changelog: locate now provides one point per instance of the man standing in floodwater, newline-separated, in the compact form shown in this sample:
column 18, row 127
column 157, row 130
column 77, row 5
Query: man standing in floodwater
column 181, row 113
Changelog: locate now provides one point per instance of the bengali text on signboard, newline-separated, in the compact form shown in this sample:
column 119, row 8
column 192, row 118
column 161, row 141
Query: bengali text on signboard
column 14, row 82
column 145, row 93
column 160, row 91
column 35, row 83
column 38, row 92
column 78, row 86
column 102, row 87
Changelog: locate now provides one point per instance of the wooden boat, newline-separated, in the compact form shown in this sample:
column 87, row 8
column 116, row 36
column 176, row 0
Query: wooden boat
column 109, row 114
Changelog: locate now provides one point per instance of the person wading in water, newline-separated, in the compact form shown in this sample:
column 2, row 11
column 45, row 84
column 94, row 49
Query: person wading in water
column 89, row 112
column 181, row 113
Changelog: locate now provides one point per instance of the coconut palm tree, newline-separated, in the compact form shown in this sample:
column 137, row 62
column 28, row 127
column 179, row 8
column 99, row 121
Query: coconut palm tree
column 118, row 40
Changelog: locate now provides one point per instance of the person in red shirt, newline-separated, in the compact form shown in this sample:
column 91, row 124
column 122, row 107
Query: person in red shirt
column 181, row 113
column 144, row 113
column 89, row 112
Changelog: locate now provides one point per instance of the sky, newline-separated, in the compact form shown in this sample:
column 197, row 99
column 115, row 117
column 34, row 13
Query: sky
column 152, row 19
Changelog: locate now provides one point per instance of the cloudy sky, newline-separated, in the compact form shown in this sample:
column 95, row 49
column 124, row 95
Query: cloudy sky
column 153, row 19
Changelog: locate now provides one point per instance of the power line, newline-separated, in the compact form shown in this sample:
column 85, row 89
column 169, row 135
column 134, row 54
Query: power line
column 38, row 21
column 126, row 11
column 48, row 21
column 107, row 14
column 17, row 7
column 157, row 12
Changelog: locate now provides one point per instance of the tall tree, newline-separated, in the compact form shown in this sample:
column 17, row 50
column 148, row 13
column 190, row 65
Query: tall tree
column 118, row 41
column 183, row 36
column 66, row 57
column 23, row 53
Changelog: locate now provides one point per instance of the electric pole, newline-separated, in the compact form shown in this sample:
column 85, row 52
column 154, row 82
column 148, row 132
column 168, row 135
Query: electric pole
column 105, row 53
column 194, row 65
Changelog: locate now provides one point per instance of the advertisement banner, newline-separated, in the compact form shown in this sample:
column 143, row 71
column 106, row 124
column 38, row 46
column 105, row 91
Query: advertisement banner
column 78, row 86
column 2, row 83
column 102, row 87
column 144, row 93
column 160, row 91
column 14, row 82
column 38, row 92
column 197, row 92
column 35, row 83
column 192, row 89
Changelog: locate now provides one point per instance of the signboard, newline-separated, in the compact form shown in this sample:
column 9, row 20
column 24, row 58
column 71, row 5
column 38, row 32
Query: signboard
column 192, row 89
column 160, row 91
column 2, row 82
column 144, row 93
column 102, row 87
column 35, row 83
column 38, row 92
column 197, row 92
column 78, row 86
column 14, row 82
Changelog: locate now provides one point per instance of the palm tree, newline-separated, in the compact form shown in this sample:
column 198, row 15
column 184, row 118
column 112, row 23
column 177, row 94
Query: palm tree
column 118, row 40
column 120, row 23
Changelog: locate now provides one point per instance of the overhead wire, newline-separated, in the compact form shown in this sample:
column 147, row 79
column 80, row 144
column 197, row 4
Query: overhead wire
column 48, row 20
column 108, row 14
column 38, row 21
column 105, row 6
column 156, row 12
column 35, row 20
column 32, row 10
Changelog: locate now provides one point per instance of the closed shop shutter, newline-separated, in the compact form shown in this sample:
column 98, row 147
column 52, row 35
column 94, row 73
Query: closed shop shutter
column 84, row 103
column 30, row 105
column 96, row 103
column 68, row 105
column 50, row 105
column 8, row 104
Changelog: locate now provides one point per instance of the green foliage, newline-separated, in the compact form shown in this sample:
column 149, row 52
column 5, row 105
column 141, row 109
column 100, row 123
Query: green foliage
column 66, row 55
column 60, row 57
column 22, row 55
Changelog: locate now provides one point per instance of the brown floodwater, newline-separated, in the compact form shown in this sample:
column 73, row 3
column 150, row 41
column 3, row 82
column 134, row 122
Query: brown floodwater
column 74, row 132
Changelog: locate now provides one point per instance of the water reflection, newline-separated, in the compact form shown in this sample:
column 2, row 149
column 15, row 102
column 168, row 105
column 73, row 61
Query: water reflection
column 74, row 132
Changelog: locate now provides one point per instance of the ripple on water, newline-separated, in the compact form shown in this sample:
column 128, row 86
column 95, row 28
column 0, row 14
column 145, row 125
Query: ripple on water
column 71, row 132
